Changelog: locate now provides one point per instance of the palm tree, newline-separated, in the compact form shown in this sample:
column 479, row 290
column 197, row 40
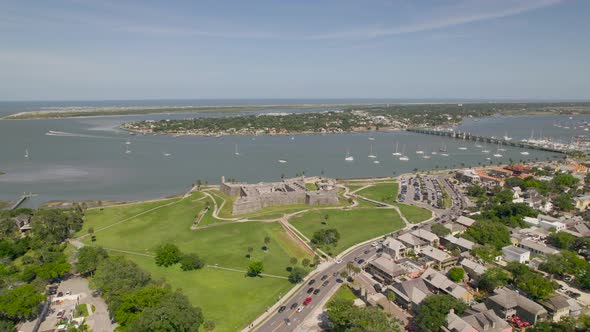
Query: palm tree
column 349, row 267
column 293, row 261
column 267, row 240
column 250, row 250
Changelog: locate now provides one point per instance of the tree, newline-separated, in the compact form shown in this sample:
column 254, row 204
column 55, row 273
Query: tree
column 431, row 314
column 487, row 252
column 255, row 269
column 562, row 240
column 267, row 241
column 533, row 283
column 326, row 216
column 89, row 258
column 349, row 267
column 456, row 274
column 564, row 202
column 297, row 274
column 117, row 275
column 326, row 237
column 167, row 255
column 493, row 278
column 189, row 262
column 488, row 232
column 135, row 303
column 293, row 261
column 250, row 251
column 20, row 303
column 440, row 230
column 7, row 326
column 305, row 262
column 174, row 313
column 209, row 325
column 344, row 316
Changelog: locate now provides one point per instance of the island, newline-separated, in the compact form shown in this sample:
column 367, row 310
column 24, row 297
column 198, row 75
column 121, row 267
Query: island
column 349, row 119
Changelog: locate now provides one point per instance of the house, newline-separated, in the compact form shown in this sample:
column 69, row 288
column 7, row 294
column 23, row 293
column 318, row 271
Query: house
column 473, row 269
column 537, row 248
column 438, row 282
column 517, row 195
column 507, row 303
column 410, row 293
column 519, row 169
column 465, row 221
column 23, row 222
column 455, row 228
column 459, row 242
column 535, row 200
column 384, row 269
column 516, row 254
column 582, row 202
column 411, row 242
column 429, row 237
column 474, row 321
column 575, row 308
column 394, row 248
column 488, row 179
column 557, row 306
column 441, row 259
column 467, row 176
column 500, row 173
column 548, row 222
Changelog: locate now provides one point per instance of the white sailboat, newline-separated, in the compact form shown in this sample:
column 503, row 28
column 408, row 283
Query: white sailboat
column 500, row 148
column 127, row 151
column 237, row 153
column 404, row 157
column 371, row 138
column 371, row 155
column 128, row 142
column 27, row 153
column 506, row 137
column 419, row 151
column 167, row 154
column 497, row 154
column 524, row 153
column 376, row 162
column 396, row 153
column 348, row 156
column 443, row 148
column 485, row 150
column 282, row 161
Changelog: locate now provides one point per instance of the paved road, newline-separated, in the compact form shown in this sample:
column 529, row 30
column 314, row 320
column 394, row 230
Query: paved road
column 277, row 321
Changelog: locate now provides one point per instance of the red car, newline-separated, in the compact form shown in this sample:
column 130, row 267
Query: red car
column 307, row 301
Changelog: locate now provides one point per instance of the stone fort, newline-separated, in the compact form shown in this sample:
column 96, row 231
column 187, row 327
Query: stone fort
column 254, row 197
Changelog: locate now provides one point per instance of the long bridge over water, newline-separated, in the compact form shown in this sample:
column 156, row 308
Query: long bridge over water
column 485, row 139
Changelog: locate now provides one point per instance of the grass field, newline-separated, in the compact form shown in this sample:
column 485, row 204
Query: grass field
column 354, row 226
column 414, row 214
column 344, row 293
column 218, row 292
column 229, row 298
column 385, row 192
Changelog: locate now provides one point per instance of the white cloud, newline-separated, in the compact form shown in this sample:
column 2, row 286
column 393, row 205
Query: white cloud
column 469, row 12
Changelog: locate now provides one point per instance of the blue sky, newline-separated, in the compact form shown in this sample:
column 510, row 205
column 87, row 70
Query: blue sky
column 119, row 49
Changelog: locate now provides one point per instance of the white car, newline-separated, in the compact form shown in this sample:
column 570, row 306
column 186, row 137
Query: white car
column 300, row 309
column 338, row 261
column 374, row 244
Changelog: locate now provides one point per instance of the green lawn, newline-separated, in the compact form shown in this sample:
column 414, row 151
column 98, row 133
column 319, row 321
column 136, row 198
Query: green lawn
column 414, row 214
column 229, row 298
column 344, row 293
column 385, row 192
column 81, row 310
column 354, row 226
column 311, row 186
column 218, row 292
column 101, row 217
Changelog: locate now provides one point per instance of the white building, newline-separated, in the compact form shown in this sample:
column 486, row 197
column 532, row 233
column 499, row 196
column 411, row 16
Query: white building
column 516, row 254
column 548, row 222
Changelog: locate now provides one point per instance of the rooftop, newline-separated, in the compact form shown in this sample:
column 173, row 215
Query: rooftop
column 514, row 250
column 465, row 221
column 436, row 254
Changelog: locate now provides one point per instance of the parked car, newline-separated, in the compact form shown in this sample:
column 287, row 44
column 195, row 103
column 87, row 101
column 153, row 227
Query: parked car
column 61, row 313
column 377, row 287
column 326, row 283
column 367, row 251
column 324, row 277
column 311, row 282
column 307, row 301
column 310, row 290
column 300, row 309
column 315, row 292
column 282, row 308
column 360, row 261
column 294, row 305
column 288, row 321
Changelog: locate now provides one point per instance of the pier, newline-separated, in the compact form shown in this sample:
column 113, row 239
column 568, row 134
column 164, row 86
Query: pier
column 483, row 139
column 20, row 201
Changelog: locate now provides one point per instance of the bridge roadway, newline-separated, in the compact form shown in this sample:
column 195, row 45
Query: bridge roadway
column 485, row 139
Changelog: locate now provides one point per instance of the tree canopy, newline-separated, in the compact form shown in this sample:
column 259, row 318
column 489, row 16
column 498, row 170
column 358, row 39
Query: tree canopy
column 343, row 316
column 431, row 314
column 488, row 232
column 167, row 255
column 89, row 258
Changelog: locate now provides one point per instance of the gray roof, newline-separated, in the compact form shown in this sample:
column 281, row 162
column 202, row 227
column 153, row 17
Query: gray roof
column 388, row 266
column 459, row 241
column 485, row 320
column 507, row 299
column 440, row 281
column 533, row 245
column 477, row 268
column 514, row 250
column 426, row 235
column 436, row 254
column 465, row 221
column 413, row 291
column 555, row 303
column 410, row 240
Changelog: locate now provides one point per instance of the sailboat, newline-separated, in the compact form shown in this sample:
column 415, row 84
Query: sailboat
column 485, row 150
column 396, row 153
column 500, row 148
column 27, row 153
column 237, row 153
column 348, row 156
column 404, row 157
column 128, row 142
column 371, row 138
column 506, row 137
column 282, row 161
column 524, row 153
column 419, row 151
column 127, row 151
column 497, row 154
column 462, row 148
column 376, row 162
column 167, row 154
column 443, row 148
column 371, row 155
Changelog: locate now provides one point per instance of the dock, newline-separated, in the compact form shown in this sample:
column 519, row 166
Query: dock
column 483, row 139
column 20, row 201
